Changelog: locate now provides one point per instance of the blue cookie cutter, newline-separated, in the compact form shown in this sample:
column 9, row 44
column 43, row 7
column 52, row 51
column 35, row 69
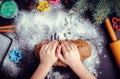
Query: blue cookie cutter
column 15, row 55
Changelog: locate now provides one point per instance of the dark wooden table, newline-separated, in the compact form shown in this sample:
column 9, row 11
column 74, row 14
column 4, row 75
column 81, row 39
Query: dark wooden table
column 108, row 66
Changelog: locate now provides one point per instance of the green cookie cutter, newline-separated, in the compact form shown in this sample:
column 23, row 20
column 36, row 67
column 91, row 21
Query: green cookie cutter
column 8, row 9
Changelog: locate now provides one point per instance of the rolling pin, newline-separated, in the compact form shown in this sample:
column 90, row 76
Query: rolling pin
column 115, row 45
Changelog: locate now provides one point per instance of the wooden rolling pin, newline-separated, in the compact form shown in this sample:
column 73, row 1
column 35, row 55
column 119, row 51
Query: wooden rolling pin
column 115, row 45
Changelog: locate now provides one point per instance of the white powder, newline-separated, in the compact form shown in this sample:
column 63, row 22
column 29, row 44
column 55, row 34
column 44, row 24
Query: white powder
column 33, row 27
column 56, row 75
column 105, row 56
column 10, row 67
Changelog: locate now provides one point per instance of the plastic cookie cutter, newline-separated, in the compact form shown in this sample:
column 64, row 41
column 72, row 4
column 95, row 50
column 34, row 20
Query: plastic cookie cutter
column 43, row 6
column 116, row 23
column 55, row 37
column 53, row 1
column 15, row 55
column 8, row 9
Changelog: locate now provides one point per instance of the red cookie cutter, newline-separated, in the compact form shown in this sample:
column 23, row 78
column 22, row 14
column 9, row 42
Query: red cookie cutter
column 116, row 23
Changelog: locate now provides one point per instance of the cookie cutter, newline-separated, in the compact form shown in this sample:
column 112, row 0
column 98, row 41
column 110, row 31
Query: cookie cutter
column 55, row 37
column 43, row 6
column 8, row 9
column 15, row 55
column 54, row 1
column 116, row 23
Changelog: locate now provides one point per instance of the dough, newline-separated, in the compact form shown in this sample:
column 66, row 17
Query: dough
column 83, row 47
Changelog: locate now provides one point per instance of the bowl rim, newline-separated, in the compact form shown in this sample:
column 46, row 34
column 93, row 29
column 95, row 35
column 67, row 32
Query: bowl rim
column 13, row 14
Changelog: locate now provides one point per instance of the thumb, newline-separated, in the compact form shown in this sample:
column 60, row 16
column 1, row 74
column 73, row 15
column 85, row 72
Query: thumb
column 59, row 54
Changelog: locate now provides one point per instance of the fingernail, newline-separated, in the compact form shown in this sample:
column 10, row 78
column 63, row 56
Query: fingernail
column 60, row 46
column 65, row 42
column 54, row 41
column 51, row 41
column 69, row 43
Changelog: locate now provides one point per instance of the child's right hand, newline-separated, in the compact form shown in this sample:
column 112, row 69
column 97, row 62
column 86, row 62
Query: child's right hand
column 47, row 54
column 70, row 54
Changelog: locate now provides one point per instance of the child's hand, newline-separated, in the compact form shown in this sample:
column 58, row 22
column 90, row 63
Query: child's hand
column 47, row 54
column 70, row 54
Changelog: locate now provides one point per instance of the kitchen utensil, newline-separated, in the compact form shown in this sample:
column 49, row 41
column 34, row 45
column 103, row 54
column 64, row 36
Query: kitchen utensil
column 5, row 43
column 115, row 45
column 55, row 36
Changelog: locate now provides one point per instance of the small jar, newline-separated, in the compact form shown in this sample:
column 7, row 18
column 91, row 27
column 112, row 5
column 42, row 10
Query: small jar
column 8, row 9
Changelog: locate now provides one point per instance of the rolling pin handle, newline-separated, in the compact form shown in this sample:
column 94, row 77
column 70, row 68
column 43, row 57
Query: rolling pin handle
column 110, row 30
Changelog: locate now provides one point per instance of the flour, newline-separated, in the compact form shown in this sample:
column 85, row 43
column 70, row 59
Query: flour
column 56, row 75
column 10, row 67
column 33, row 27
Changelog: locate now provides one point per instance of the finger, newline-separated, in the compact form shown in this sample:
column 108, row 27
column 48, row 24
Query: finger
column 54, row 46
column 49, row 46
column 63, row 48
column 67, row 46
column 74, row 46
column 70, row 45
column 65, row 52
column 59, row 54
column 43, row 47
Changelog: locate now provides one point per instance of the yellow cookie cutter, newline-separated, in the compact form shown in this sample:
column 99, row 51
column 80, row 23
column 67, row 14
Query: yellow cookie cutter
column 43, row 6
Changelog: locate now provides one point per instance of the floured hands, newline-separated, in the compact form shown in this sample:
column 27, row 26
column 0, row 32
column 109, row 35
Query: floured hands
column 49, row 55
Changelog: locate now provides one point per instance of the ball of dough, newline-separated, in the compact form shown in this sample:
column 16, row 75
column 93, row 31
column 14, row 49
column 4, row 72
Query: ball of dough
column 83, row 48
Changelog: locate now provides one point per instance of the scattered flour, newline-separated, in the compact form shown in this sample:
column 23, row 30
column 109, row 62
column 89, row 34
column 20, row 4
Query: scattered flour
column 57, row 75
column 10, row 67
column 105, row 56
column 33, row 27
